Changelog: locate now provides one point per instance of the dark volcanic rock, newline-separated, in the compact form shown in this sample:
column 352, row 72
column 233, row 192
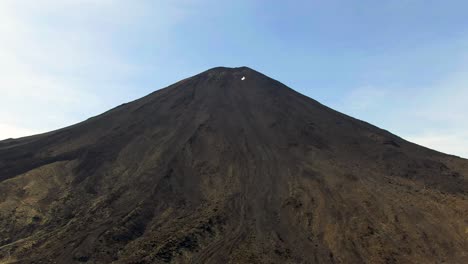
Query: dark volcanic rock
column 216, row 169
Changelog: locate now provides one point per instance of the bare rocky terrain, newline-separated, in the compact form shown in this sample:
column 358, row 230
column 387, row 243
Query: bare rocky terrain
column 216, row 169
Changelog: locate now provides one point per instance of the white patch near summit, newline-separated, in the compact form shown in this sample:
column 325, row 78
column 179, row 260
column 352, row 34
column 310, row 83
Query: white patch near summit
column 243, row 78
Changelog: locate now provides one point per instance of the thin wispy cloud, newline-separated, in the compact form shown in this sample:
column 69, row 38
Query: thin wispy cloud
column 58, row 59
column 365, row 98
column 441, row 115
column 62, row 61
column 433, row 116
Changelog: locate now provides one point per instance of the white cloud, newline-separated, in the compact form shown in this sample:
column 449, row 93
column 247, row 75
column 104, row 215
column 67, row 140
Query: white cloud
column 446, row 101
column 444, row 141
column 7, row 130
column 444, row 109
column 62, row 61
column 435, row 116
column 33, row 98
column 365, row 98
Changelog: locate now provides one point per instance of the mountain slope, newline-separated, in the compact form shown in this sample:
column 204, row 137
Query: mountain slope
column 218, row 169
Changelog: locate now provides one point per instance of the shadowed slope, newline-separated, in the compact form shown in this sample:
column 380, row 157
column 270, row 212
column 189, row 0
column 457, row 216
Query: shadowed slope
column 218, row 169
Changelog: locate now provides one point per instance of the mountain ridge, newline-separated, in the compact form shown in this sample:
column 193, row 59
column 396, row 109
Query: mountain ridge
column 218, row 169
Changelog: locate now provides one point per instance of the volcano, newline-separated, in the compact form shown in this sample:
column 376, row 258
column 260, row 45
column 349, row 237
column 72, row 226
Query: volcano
column 229, row 166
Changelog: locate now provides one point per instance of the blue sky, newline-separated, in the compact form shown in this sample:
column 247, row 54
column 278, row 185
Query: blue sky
column 401, row 65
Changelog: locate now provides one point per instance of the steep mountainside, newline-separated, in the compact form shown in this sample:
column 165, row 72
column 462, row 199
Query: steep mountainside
column 217, row 169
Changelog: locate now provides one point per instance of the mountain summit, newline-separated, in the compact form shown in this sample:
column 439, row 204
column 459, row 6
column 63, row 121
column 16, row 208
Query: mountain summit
column 229, row 166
